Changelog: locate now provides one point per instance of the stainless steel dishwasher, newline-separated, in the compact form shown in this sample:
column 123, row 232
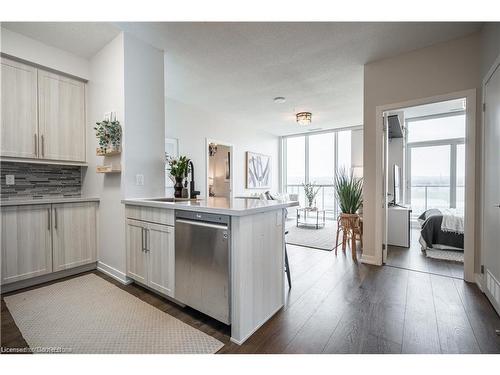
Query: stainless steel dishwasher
column 202, row 262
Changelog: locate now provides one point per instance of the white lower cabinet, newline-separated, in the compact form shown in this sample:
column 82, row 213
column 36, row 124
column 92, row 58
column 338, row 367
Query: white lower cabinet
column 151, row 255
column 26, row 242
column 41, row 239
column 74, row 234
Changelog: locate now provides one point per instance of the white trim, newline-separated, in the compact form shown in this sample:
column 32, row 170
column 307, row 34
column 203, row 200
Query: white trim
column 231, row 164
column 479, row 279
column 240, row 342
column 114, row 273
column 470, row 181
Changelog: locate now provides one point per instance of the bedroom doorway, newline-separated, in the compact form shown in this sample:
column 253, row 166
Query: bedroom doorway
column 424, row 184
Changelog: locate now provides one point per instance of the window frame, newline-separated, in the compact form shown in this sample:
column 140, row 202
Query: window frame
column 452, row 142
column 283, row 163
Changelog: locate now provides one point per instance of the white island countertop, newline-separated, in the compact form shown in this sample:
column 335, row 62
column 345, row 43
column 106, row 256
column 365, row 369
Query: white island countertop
column 223, row 206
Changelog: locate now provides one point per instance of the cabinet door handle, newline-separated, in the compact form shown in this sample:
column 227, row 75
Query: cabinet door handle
column 48, row 219
column 36, row 144
column 142, row 239
column 147, row 240
column 43, row 145
column 55, row 218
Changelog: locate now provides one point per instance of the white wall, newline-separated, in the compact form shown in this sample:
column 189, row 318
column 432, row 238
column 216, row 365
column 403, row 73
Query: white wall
column 490, row 45
column 191, row 126
column 126, row 77
column 106, row 93
column 29, row 49
column 440, row 69
column 144, row 146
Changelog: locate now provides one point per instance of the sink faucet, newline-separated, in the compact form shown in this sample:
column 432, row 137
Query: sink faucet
column 192, row 193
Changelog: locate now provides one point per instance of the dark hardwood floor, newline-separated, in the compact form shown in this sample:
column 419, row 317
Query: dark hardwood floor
column 413, row 259
column 337, row 306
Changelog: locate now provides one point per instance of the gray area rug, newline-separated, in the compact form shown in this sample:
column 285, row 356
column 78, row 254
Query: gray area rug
column 87, row 314
column 322, row 238
column 451, row 255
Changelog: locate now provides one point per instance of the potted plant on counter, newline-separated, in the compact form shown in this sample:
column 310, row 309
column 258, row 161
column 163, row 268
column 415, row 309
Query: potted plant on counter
column 349, row 194
column 178, row 168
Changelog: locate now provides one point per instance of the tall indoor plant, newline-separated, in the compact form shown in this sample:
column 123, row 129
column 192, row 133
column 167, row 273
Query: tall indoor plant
column 348, row 191
column 178, row 168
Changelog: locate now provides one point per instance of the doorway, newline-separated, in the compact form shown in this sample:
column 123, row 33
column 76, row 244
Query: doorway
column 219, row 181
column 428, row 214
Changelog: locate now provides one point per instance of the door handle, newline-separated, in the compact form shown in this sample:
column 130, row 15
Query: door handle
column 43, row 145
column 55, row 218
column 142, row 239
column 36, row 144
column 48, row 219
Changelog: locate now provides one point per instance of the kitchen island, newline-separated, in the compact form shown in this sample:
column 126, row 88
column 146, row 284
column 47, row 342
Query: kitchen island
column 254, row 231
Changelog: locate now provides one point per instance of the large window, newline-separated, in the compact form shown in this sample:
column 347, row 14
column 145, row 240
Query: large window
column 314, row 158
column 436, row 163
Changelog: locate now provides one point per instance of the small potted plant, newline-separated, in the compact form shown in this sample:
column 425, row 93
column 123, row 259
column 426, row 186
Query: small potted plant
column 102, row 136
column 108, row 133
column 178, row 169
column 115, row 135
column 310, row 191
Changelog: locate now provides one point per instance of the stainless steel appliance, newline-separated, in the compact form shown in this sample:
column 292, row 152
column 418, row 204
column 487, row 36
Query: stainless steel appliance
column 202, row 263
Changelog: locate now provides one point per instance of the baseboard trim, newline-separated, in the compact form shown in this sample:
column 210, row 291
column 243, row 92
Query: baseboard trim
column 114, row 273
column 240, row 342
column 479, row 279
column 46, row 278
column 370, row 259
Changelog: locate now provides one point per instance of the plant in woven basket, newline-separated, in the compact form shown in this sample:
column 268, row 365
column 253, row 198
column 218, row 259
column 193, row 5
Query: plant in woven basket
column 348, row 191
column 310, row 191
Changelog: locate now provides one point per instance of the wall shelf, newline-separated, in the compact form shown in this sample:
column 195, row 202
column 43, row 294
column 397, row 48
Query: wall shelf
column 108, row 152
column 108, row 169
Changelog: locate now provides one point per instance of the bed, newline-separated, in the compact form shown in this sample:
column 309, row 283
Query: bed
column 441, row 229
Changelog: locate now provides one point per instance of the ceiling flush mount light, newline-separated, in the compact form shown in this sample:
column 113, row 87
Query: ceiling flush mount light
column 279, row 100
column 304, row 118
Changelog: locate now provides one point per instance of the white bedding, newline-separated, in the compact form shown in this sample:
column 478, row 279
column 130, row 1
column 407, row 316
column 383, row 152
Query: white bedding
column 452, row 222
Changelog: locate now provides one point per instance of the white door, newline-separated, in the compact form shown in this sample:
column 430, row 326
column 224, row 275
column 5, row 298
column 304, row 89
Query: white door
column 385, row 188
column 161, row 258
column 491, row 222
column 74, row 234
column 61, row 117
column 136, row 253
column 19, row 127
column 26, row 242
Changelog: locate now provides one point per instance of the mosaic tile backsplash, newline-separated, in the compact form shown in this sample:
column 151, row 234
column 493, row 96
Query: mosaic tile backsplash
column 35, row 181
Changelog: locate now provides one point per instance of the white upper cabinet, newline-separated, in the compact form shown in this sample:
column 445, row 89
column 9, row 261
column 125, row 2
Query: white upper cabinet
column 61, row 103
column 19, row 125
column 43, row 114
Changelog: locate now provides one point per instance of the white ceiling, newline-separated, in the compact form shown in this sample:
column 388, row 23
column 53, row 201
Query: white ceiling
column 236, row 69
column 83, row 39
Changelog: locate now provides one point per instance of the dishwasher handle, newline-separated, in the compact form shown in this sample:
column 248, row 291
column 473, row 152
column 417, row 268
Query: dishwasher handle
column 202, row 224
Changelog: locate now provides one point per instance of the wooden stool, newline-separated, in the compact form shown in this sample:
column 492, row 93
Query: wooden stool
column 350, row 225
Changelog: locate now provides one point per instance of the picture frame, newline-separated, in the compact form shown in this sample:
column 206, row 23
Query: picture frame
column 258, row 167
